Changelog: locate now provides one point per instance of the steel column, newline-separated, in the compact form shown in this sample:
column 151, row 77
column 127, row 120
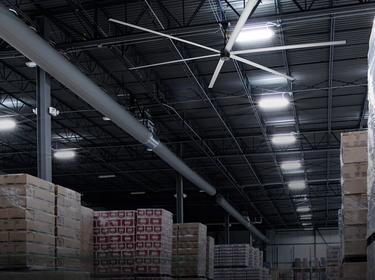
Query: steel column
column 179, row 195
column 227, row 229
column 43, row 97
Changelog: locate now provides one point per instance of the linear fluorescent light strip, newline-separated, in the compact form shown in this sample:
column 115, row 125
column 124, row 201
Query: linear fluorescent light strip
column 284, row 139
column 106, row 176
column 64, row 154
column 306, row 217
column 297, row 185
column 273, row 103
column 255, row 35
column 303, row 209
column 291, row 165
column 137, row 193
column 7, row 124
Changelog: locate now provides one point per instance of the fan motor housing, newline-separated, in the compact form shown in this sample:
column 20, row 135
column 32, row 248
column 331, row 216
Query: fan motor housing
column 224, row 55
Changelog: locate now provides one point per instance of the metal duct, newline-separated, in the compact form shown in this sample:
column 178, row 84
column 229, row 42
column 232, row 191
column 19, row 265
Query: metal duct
column 17, row 34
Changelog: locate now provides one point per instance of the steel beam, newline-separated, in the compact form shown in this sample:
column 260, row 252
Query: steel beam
column 44, row 152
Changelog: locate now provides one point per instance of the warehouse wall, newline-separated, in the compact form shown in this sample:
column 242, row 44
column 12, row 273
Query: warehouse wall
column 288, row 245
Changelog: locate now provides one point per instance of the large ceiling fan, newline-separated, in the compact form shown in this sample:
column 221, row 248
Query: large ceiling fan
column 226, row 53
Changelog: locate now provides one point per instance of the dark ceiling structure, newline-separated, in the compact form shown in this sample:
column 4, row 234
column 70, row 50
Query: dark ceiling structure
column 222, row 133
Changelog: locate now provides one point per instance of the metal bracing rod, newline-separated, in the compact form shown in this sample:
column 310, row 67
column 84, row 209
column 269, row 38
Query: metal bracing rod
column 18, row 35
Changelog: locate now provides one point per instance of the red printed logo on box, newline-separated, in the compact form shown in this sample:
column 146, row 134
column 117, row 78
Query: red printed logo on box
column 142, row 237
column 155, row 221
column 155, row 237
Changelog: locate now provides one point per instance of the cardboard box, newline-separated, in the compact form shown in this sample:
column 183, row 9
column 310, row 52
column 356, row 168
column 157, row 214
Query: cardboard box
column 87, row 239
column 355, row 201
column 354, row 248
column 357, row 232
column 355, row 217
column 354, row 155
column 354, row 171
column 25, row 179
column 189, row 250
column 354, row 139
column 68, row 229
column 45, row 275
column 354, row 186
column 354, row 270
column 210, row 257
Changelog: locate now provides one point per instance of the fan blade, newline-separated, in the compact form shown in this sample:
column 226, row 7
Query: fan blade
column 216, row 73
column 174, row 61
column 249, row 8
column 162, row 34
column 254, row 64
column 291, row 47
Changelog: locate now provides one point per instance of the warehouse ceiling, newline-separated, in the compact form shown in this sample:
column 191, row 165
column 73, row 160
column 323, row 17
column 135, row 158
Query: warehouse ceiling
column 222, row 133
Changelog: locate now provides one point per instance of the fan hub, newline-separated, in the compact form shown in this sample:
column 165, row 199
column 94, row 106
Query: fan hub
column 224, row 55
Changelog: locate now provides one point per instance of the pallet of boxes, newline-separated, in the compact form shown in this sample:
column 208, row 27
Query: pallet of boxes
column 239, row 262
column 192, row 252
column 371, row 158
column 333, row 263
column 353, row 227
column 133, row 244
column 34, row 241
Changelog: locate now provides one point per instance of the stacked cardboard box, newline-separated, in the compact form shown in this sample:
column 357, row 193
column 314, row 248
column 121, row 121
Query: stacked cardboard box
column 354, row 202
column 27, row 223
column 87, row 239
column 189, row 250
column 371, row 158
column 210, row 257
column 154, row 242
column 233, row 255
column 239, row 261
column 114, row 243
column 68, row 229
column 242, row 274
column 333, row 263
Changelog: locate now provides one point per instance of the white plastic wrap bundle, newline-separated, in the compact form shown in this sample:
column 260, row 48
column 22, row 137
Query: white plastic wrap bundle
column 371, row 157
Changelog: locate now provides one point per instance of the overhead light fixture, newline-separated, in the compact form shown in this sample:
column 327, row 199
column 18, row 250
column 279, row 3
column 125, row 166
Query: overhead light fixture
column 303, row 209
column 137, row 193
column 273, row 103
column 297, row 185
column 255, row 34
column 184, row 195
column 107, row 176
column 284, row 139
column 30, row 64
column 106, row 119
column 305, row 217
column 7, row 124
column 291, row 165
column 65, row 154
column 307, row 224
